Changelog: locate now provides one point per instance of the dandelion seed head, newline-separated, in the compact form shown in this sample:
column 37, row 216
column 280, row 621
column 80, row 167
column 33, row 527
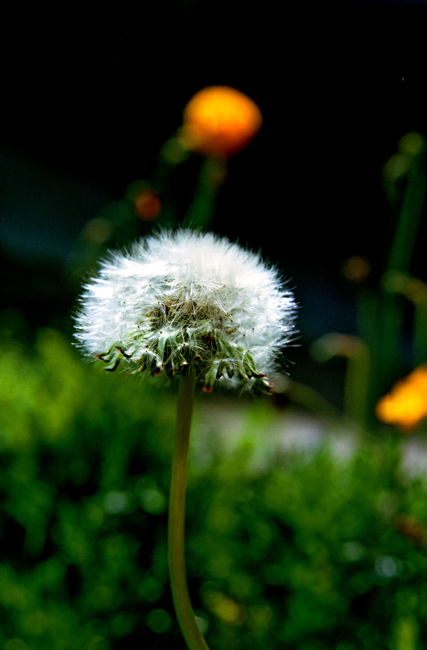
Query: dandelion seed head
column 188, row 301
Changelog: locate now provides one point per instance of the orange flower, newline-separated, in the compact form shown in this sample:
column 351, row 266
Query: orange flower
column 219, row 121
column 406, row 404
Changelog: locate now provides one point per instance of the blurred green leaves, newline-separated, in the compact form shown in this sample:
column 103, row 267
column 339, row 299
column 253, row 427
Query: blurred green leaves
column 308, row 550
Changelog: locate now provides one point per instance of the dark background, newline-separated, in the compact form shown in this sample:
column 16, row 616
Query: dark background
column 88, row 100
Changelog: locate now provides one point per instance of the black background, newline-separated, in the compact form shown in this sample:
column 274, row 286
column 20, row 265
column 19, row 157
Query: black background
column 89, row 98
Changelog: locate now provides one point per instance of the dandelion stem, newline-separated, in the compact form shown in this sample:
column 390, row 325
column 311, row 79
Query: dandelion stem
column 181, row 598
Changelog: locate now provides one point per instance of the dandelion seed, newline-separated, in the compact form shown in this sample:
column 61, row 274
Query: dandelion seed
column 188, row 301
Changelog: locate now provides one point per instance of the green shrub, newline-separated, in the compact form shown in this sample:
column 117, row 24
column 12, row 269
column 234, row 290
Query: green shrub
column 306, row 550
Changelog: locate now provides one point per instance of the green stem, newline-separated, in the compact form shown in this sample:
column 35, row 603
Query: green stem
column 420, row 333
column 409, row 217
column 357, row 384
column 181, row 598
column 211, row 178
column 391, row 356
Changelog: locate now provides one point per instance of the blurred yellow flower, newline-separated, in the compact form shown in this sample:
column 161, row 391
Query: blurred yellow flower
column 406, row 404
column 219, row 121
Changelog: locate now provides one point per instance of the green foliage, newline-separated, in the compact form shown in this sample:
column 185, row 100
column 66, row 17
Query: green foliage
column 305, row 550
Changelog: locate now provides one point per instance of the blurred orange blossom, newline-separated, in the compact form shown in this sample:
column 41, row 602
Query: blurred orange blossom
column 219, row 121
column 405, row 405
column 147, row 204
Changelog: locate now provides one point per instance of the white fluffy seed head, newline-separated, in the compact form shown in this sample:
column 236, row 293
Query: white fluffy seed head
column 188, row 301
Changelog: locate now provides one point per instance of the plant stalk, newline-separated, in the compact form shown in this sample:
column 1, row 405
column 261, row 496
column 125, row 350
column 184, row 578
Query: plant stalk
column 176, row 524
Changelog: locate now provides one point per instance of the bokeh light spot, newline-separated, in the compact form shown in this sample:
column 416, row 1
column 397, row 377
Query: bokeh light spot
column 158, row 621
column 147, row 205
